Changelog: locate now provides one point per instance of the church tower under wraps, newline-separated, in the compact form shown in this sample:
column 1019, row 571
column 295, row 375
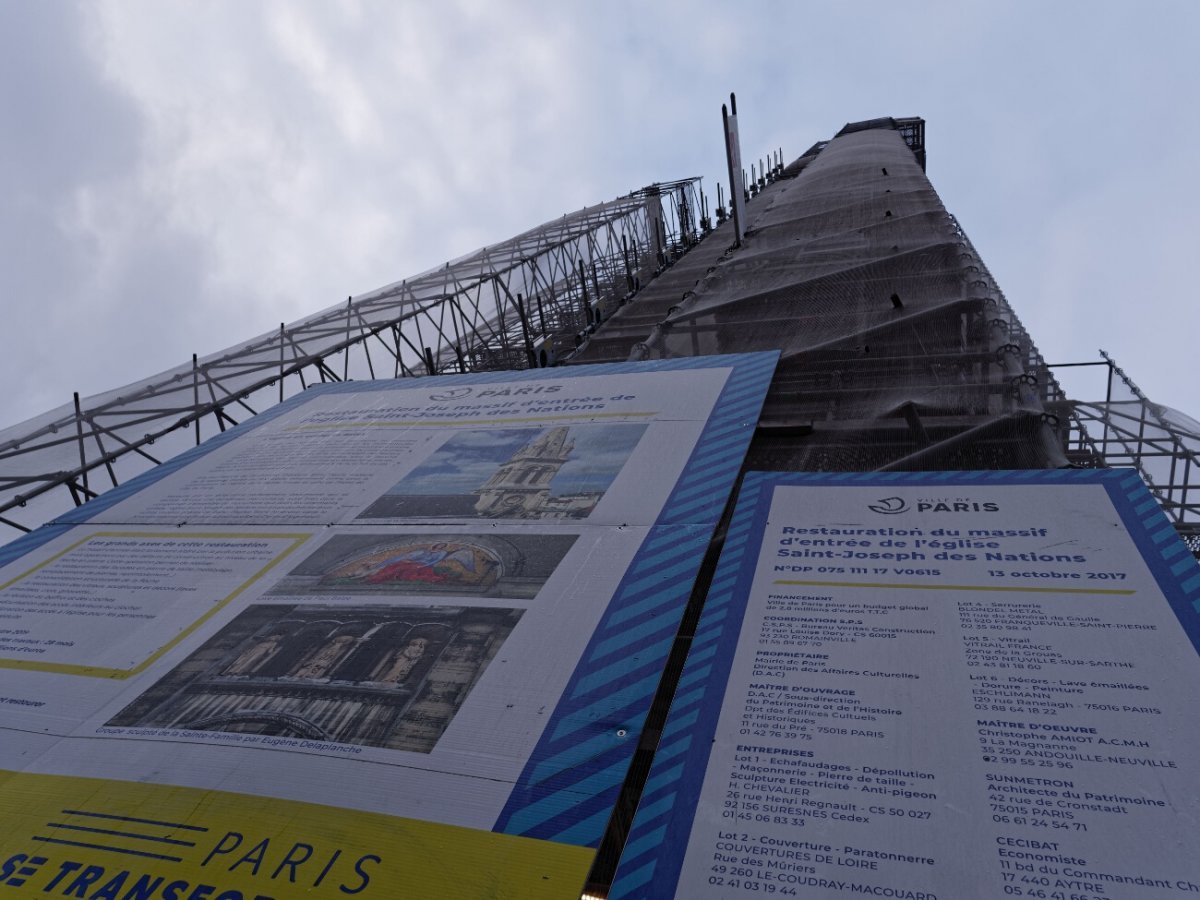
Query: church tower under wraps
column 521, row 486
column 664, row 550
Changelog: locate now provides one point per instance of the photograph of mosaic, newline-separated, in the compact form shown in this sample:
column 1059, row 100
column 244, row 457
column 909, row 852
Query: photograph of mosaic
column 485, row 565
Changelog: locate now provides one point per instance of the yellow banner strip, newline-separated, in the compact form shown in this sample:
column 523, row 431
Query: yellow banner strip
column 69, row 836
column 493, row 422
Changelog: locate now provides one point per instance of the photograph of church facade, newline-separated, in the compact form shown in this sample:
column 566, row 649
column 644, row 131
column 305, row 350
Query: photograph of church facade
column 513, row 473
column 485, row 565
column 375, row 676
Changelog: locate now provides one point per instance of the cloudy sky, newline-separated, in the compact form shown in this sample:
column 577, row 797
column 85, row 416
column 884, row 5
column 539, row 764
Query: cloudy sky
column 177, row 177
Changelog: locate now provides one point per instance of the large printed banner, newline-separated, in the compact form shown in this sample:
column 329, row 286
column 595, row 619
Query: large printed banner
column 390, row 639
column 934, row 686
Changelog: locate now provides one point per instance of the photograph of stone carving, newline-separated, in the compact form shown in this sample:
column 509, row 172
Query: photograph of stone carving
column 559, row 472
column 375, row 676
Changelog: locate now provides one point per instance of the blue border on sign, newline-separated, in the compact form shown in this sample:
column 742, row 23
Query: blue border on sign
column 653, row 855
column 570, row 784
column 145, row 479
column 107, row 500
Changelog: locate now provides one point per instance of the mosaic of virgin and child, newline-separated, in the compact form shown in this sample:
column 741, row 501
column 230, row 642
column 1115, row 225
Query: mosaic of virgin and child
column 448, row 563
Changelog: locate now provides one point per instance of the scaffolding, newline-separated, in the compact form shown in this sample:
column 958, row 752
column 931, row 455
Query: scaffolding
column 528, row 302
column 899, row 350
column 1127, row 430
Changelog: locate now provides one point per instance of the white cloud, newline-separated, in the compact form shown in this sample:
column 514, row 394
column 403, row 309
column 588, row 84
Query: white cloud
column 183, row 177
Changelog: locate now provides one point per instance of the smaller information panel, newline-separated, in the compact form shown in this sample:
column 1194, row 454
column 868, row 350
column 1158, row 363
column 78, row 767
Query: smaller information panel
column 934, row 685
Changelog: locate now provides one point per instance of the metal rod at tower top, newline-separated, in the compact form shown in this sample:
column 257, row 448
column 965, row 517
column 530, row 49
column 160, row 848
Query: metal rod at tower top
column 733, row 157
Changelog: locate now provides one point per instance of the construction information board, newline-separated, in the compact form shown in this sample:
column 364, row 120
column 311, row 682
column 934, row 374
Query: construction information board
column 930, row 687
column 389, row 639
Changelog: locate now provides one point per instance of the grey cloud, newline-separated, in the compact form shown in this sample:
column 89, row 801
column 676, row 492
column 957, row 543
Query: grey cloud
column 79, row 305
column 186, row 176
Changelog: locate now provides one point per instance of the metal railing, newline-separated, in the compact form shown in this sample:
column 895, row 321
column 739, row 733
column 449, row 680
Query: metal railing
column 524, row 303
column 1126, row 429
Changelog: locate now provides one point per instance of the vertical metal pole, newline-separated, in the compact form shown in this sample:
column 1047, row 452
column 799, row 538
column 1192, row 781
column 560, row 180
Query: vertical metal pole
column 685, row 219
column 625, row 256
column 595, row 281
column 455, row 315
column 346, row 349
column 734, row 162
column 79, row 434
column 583, row 296
column 366, row 348
column 282, row 338
column 525, row 331
column 1107, row 400
column 196, row 394
column 499, row 307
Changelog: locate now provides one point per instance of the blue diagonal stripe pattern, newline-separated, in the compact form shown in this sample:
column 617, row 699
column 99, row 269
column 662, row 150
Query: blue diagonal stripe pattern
column 578, row 760
column 694, row 707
